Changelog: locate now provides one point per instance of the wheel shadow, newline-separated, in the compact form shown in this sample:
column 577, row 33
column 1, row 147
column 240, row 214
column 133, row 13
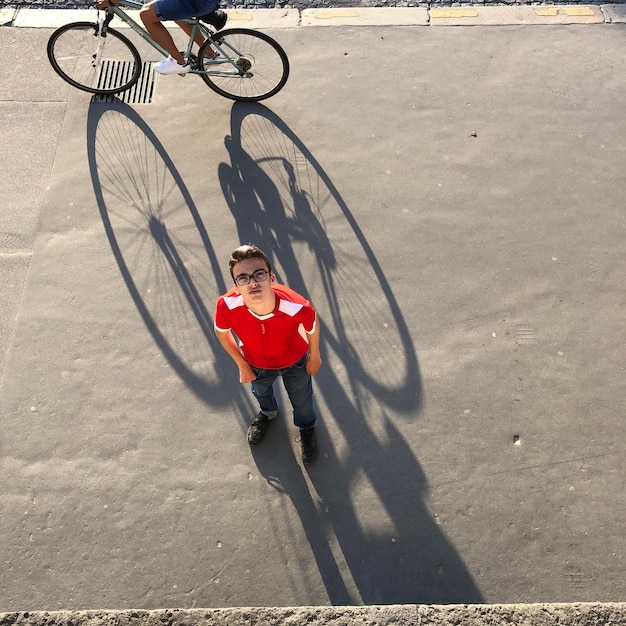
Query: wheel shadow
column 162, row 248
column 362, row 506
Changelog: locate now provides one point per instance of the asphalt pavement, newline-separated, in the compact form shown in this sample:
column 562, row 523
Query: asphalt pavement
column 450, row 195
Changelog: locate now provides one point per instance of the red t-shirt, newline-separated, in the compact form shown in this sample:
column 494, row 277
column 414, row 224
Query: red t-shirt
column 271, row 341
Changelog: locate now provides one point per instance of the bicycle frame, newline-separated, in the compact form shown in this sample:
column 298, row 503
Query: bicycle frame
column 197, row 26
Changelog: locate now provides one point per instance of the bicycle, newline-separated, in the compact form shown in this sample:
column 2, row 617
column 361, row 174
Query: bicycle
column 250, row 65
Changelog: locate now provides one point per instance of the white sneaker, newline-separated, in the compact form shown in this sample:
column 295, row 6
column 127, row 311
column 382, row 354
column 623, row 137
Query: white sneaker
column 171, row 66
column 215, row 58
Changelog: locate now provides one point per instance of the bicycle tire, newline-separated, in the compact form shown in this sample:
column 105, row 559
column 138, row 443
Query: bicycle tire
column 264, row 65
column 71, row 52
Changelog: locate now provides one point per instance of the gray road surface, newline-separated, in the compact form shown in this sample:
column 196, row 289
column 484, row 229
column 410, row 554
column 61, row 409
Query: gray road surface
column 452, row 201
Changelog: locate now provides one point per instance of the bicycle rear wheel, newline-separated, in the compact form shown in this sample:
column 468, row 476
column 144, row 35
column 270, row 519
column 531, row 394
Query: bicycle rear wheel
column 101, row 65
column 253, row 65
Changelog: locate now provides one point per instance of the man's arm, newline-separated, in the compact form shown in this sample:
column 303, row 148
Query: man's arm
column 227, row 341
column 314, row 362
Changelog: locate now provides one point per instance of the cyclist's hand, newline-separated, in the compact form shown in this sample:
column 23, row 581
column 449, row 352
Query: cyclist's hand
column 103, row 4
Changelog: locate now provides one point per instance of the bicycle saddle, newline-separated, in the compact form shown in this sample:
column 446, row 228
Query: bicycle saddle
column 216, row 18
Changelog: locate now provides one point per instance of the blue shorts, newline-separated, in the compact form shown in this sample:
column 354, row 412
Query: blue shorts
column 183, row 9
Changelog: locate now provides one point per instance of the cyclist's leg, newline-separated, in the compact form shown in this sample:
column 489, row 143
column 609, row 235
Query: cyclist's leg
column 209, row 53
column 202, row 7
column 152, row 21
column 199, row 39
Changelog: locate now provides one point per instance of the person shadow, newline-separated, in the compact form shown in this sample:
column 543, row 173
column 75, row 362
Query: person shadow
column 363, row 504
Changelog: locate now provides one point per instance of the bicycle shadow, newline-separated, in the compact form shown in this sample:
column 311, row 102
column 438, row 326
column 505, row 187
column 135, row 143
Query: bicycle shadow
column 161, row 246
column 362, row 506
column 283, row 200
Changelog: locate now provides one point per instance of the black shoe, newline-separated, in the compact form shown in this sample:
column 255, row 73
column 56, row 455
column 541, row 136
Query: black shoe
column 216, row 18
column 308, row 445
column 192, row 61
column 257, row 429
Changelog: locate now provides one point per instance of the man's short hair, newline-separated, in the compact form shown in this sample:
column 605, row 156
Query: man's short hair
column 247, row 251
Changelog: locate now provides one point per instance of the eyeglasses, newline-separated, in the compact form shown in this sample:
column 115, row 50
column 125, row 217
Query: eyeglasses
column 257, row 276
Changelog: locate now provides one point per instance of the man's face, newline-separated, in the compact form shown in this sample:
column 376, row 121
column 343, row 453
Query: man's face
column 256, row 291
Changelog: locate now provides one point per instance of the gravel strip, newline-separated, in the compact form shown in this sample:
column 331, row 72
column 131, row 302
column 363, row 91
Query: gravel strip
column 311, row 4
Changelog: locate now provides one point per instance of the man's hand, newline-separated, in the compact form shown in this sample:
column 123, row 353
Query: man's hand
column 313, row 364
column 103, row 4
column 246, row 373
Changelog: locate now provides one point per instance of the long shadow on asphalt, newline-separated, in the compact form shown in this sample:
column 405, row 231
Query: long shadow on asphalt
column 162, row 247
column 283, row 200
column 362, row 507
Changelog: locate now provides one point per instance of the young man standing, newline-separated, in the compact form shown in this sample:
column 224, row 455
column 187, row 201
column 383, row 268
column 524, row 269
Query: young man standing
column 278, row 335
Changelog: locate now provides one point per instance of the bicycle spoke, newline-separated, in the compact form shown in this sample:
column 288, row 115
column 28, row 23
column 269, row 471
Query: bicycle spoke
column 91, row 63
column 254, row 66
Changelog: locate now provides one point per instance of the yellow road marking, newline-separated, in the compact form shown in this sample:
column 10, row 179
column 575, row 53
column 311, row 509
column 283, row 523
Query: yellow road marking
column 443, row 13
column 578, row 11
column 327, row 15
column 239, row 16
column 547, row 12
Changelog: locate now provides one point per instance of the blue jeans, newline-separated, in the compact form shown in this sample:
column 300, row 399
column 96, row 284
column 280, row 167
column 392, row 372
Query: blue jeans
column 299, row 388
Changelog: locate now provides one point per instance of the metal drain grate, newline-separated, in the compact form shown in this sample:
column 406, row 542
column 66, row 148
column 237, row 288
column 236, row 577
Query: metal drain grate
column 140, row 93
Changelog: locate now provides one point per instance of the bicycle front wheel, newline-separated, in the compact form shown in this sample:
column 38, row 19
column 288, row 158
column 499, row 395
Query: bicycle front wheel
column 252, row 66
column 101, row 65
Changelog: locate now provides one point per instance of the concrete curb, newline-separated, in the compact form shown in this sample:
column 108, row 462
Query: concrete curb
column 583, row 614
column 614, row 13
column 384, row 16
column 496, row 15
column 365, row 17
